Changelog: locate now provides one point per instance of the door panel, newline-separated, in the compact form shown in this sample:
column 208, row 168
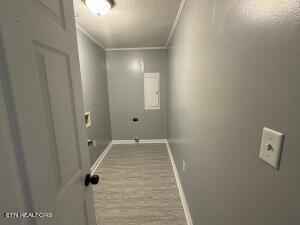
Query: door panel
column 53, row 6
column 43, row 71
column 52, row 151
column 52, row 9
column 54, row 71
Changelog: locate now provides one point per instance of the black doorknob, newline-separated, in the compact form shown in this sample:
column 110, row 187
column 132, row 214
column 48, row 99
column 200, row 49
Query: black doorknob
column 91, row 179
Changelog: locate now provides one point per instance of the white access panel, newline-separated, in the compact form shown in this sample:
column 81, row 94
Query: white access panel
column 151, row 91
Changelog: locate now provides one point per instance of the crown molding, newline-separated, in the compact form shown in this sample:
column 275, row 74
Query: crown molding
column 175, row 21
column 89, row 36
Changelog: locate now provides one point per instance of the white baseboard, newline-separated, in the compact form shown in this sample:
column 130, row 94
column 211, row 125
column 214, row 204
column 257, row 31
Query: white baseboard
column 181, row 192
column 146, row 141
column 98, row 161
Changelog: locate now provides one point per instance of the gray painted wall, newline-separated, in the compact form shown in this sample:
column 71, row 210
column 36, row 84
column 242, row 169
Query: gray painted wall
column 234, row 68
column 126, row 93
column 95, row 94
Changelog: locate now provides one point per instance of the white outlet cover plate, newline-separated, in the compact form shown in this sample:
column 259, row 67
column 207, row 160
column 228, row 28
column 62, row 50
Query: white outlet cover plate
column 275, row 139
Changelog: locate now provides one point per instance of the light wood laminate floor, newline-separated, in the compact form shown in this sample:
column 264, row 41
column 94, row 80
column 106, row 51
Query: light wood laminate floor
column 137, row 187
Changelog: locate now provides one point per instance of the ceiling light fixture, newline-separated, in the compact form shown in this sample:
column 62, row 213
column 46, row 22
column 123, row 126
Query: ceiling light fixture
column 98, row 7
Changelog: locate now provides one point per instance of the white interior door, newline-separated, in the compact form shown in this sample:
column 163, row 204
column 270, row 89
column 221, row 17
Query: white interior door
column 43, row 95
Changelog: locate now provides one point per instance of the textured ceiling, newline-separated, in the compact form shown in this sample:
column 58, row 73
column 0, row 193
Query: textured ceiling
column 130, row 23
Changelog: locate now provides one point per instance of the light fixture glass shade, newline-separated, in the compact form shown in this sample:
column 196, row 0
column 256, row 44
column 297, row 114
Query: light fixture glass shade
column 99, row 7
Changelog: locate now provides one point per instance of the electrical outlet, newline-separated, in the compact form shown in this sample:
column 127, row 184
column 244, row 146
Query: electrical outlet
column 183, row 166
